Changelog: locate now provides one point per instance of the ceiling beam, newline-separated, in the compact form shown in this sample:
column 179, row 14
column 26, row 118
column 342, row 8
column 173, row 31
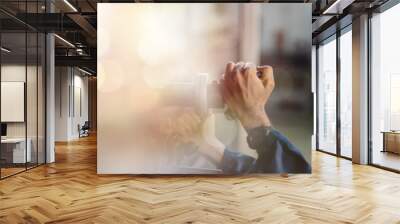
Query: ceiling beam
column 81, row 61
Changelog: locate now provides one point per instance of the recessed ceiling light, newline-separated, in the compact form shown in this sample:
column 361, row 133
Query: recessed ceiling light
column 70, row 5
column 84, row 71
column 337, row 6
column 64, row 40
column 5, row 50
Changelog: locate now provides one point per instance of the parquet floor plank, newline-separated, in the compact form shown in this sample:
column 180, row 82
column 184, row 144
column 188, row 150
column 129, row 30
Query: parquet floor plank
column 70, row 191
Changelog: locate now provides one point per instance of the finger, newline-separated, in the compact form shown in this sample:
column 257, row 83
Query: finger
column 250, row 70
column 240, row 64
column 238, row 75
column 232, row 81
column 267, row 76
column 228, row 70
column 229, row 67
column 228, row 78
column 226, row 93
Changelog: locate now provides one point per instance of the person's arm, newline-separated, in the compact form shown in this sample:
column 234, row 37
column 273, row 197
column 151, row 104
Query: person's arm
column 230, row 162
column 236, row 163
column 247, row 95
column 276, row 153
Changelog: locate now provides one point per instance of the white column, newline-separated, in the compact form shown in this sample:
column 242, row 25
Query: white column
column 360, row 90
column 63, row 103
column 50, row 92
column 50, row 99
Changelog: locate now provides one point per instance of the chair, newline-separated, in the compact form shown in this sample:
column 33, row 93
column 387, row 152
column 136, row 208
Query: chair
column 84, row 130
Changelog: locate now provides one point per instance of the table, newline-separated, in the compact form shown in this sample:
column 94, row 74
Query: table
column 391, row 141
column 13, row 150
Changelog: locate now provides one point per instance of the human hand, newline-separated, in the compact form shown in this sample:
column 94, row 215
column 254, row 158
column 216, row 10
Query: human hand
column 246, row 94
column 186, row 127
column 179, row 126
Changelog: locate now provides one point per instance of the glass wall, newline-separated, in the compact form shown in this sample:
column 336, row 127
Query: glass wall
column 346, row 93
column 327, row 96
column 22, row 94
column 13, row 88
column 334, row 94
column 385, row 89
column 31, row 100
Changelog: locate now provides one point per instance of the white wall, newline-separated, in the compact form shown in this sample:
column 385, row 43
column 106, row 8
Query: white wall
column 16, row 73
column 71, row 87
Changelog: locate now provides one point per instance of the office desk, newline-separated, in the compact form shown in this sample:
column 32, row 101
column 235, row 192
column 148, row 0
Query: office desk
column 13, row 150
column 391, row 141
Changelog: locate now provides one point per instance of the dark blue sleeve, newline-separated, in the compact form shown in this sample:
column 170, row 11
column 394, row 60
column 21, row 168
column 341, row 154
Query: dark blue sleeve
column 276, row 154
column 279, row 155
column 236, row 163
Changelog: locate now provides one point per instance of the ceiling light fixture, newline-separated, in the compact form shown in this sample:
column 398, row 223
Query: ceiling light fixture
column 329, row 9
column 337, row 7
column 65, row 41
column 5, row 50
column 84, row 71
column 70, row 5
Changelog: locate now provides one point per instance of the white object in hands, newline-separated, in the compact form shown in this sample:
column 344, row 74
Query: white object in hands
column 199, row 94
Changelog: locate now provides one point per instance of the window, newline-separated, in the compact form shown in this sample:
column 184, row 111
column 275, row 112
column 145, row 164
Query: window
column 327, row 96
column 385, row 89
column 346, row 93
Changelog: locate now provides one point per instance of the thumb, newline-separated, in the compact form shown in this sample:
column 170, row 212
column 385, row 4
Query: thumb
column 266, row 76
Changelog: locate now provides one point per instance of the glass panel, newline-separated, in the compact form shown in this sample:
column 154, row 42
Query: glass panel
column 385, row 84
column 22, row 91
column 41, row 98
column 346, row 94
column 32, row 90
column 327, row 97
column 31, row 100
column 13, row 86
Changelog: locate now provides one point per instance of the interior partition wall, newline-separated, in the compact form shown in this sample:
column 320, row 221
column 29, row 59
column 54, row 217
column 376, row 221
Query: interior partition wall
column 22, row 89
column 334, row 94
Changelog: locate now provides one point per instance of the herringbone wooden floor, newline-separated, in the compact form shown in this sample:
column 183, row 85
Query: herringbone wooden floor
column 70, row 191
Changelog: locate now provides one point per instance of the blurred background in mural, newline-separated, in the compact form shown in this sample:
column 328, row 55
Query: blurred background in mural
column 143, row 48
